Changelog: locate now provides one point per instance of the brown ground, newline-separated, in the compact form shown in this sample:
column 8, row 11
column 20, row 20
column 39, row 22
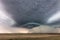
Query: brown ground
column 30, row 36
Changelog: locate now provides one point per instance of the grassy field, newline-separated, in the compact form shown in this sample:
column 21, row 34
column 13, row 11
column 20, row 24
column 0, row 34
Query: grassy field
column 29, row 36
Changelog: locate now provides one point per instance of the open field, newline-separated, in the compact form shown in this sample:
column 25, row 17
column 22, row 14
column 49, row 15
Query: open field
column 30, row 36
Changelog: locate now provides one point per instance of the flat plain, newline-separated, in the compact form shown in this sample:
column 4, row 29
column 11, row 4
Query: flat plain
column 37, row 36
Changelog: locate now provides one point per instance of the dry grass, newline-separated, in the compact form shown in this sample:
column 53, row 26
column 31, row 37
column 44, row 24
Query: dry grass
column 29, row 36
